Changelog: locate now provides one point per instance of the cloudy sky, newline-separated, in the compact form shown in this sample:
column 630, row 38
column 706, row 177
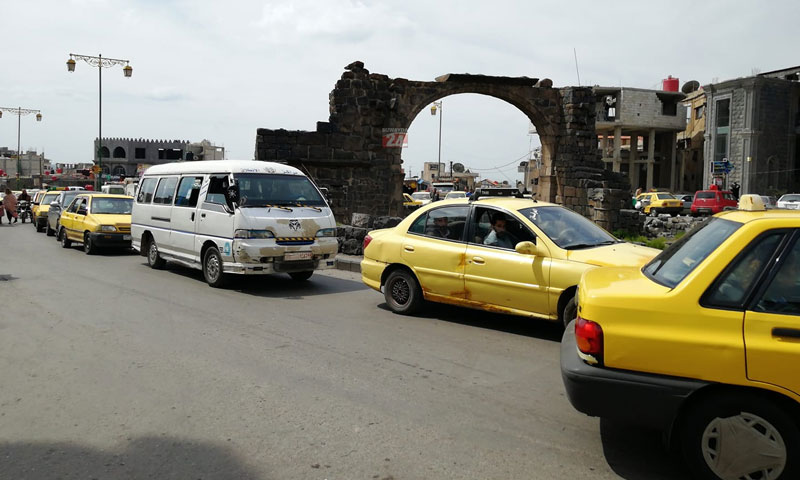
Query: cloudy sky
column 218, row 70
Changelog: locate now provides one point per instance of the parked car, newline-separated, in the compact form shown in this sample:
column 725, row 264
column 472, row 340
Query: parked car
column 455, row 252
column 56, row 207
column 710, row 202
column 790, row 201
column 653, row 203
column 41, row 205
column 455, row 194
column 687, row 199
column 97, row 220
column 702, row 343
column 424, row 197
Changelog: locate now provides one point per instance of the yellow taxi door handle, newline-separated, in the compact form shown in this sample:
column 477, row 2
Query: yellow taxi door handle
column 478, row 260
column 408, row 248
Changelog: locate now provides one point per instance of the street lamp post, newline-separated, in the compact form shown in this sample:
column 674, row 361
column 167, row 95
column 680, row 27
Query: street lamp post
column 438, row 106
column 19, row 112
column 100, row 63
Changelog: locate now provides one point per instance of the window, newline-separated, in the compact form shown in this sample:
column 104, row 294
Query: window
column 139, row 153
column 146, row 190
column 698, row 112
column 119, row 152
column 73, row 207
column 419, row 224
column 447, row 222
column 721, row 148
column 188, row 192
column 735, row 284
column 566, row 228
column 723, row 112
column 260, row 189
column 165, row 190
column 783, row 293
column 113, row 206
column 672, row 265
column 217, row 188
column 498, row 229
column 669, row 108
column 82, row 210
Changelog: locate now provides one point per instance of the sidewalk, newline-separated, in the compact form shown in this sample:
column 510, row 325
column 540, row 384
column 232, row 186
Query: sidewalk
column 351, row 263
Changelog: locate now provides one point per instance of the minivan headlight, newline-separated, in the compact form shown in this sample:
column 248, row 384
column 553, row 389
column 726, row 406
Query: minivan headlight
column 327, row 232
column 253, row 234
column 108, row 228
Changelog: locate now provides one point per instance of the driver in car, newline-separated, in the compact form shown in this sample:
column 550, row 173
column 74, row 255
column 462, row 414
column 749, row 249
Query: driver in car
column 499, row 236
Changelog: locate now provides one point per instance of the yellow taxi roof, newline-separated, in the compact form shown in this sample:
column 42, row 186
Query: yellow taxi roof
column 103, row 195
column 744, row 216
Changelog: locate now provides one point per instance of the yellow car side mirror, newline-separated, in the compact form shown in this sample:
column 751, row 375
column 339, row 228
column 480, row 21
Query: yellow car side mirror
column 527, row 248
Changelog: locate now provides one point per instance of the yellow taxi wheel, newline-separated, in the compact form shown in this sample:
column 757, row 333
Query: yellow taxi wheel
column 402, row 292
column 62, row 237
column 570, row 312
column 720, row 434
column 88, row 245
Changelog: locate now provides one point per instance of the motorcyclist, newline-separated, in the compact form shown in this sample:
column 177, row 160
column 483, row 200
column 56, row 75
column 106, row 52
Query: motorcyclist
column 24, row 196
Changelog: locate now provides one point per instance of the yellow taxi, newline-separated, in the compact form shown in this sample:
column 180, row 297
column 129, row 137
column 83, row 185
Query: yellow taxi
column 409, row 202
column 703, row 343
column 495, row 251
column 41, row 205
column 96, row 220
column 653, row 203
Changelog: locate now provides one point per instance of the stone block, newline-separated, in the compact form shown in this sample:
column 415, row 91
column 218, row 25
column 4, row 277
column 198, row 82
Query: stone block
column 361, row 220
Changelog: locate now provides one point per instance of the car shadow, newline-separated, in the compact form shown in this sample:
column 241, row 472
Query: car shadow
column 276, row 285
column 515, row 325
column 637, row 453
column 144, row 457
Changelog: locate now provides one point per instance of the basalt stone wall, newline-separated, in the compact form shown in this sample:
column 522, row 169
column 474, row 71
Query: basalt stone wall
column 350, row 155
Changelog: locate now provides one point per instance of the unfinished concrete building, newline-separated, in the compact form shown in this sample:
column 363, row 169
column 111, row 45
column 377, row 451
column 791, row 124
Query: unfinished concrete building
column 652, row 120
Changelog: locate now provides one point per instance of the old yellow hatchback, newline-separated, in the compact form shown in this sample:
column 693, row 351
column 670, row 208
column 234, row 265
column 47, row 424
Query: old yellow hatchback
column 654, row 203
column 97, row 220
column 41, row 205
column 501, row 253
column 703, row 343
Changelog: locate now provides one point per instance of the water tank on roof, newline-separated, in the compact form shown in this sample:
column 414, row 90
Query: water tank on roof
column 669, row 84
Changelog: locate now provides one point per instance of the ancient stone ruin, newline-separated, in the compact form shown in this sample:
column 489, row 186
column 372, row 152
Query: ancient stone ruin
column 348, row 153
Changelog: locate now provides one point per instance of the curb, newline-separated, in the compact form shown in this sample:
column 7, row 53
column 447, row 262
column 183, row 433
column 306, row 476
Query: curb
column 350, row 263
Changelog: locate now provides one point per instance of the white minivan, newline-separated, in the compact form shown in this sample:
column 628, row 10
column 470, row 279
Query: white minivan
column 233, row 216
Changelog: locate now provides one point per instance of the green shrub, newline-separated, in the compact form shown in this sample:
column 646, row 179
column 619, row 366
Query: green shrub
column 658, row 242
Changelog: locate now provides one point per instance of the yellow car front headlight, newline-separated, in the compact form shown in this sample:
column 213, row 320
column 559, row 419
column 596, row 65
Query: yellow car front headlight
column 108, row 228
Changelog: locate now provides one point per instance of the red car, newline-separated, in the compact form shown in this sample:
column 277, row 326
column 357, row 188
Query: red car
column 709, row 202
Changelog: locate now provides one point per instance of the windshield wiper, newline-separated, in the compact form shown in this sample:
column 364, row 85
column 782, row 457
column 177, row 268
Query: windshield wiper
column 578, row 246
column 267, row 206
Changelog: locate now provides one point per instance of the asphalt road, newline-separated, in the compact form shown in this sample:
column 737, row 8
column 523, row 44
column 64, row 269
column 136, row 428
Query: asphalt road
column 109, row 369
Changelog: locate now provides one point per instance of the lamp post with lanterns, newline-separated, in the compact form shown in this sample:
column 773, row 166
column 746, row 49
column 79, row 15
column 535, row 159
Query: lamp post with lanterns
column 100, row 62
column 19, row 112
column 437, row 106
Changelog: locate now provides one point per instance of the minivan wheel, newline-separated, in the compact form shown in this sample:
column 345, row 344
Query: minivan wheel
column 62, row 237
column 301, row 276
column 402, row 292
column 740, row 436
column 212, row 268
column 153, row 258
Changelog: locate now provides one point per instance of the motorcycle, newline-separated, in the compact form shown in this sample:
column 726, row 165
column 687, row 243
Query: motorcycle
column 24, row 211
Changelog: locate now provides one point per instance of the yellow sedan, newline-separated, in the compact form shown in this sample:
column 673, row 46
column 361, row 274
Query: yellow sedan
column 500, row 253
column 96, row 220
column 653, row 203
column 703, row 343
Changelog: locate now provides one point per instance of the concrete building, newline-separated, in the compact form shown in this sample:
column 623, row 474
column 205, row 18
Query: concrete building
column 32, row 163
column 691, row 144
column 457, row 174
column 122, row 156
column 652, row 120
column 753, row 123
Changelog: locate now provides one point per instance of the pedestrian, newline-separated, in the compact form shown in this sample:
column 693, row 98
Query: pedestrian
column 735, row 190
column 10, row 205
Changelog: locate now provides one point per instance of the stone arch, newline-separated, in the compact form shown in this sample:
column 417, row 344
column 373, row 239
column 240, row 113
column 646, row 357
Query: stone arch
column 118, row 170
column 119, row 152
column 348, row 155
column 104, row 153
column 189, row 156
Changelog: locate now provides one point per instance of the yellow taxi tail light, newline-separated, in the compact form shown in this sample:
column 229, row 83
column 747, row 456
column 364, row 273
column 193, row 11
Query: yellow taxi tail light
column 589, row 337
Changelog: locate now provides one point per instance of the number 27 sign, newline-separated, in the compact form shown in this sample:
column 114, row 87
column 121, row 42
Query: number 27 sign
column 394, row 138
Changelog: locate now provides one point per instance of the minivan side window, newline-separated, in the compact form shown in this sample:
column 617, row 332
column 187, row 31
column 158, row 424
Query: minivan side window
column 217, row 186
column 165, row 190
column 188, row 192
column 146, row 190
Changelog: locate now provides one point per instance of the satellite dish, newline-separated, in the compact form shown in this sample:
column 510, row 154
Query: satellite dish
column 690, row 86
column 458, row 168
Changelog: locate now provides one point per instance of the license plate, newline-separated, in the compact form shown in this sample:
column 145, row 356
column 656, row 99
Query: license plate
column 126, row 237
column 297, row 256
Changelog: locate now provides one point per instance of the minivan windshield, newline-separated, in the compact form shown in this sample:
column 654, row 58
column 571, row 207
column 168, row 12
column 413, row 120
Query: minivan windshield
column 261, row 190
column 672, row 265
